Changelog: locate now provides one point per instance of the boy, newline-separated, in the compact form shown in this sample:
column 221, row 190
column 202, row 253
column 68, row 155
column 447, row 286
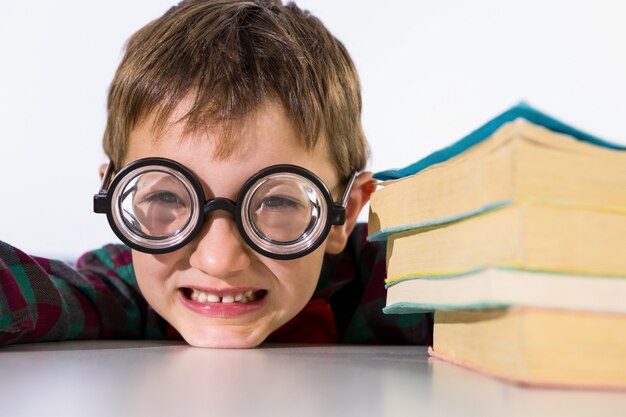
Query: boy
column 236, row 178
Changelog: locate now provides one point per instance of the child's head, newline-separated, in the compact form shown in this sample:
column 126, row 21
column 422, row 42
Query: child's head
column 227, row 88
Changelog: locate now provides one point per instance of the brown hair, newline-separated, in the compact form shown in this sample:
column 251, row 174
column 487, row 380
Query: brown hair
column 229, row 57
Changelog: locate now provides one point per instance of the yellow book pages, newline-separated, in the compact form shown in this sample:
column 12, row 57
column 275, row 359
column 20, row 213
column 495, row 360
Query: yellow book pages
column 520, row 161
column 536, row 346
column 531, row 235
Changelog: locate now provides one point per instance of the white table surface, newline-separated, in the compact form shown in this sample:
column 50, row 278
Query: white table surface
column 147, row 378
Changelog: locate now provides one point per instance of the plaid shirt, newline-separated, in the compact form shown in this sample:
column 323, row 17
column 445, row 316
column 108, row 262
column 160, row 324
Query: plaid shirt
column 45, row 300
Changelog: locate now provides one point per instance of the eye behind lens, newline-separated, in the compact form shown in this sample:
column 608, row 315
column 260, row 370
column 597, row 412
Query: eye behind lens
column 284, row 213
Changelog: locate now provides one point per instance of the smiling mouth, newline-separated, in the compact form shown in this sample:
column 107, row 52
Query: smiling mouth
column 207, row 297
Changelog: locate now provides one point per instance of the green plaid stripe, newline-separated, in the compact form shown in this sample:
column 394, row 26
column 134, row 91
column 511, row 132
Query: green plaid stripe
column 23, row 280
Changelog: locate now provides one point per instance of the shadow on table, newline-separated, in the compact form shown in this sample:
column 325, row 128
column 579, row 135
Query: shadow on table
column 89, row 345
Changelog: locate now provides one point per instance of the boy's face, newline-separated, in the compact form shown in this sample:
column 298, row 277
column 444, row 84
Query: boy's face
column 218, row 262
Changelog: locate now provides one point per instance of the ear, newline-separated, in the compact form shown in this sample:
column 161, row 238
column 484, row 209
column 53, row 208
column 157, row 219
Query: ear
column 102, row 170
column 360, row 194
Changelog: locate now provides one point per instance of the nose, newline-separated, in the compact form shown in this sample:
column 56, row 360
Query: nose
column 219, row 250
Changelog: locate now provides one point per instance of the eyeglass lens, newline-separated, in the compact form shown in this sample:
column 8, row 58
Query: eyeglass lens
column 155, row 205
column 284, row 208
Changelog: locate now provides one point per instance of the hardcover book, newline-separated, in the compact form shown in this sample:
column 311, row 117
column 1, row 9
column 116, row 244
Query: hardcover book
column 528, row 346
column 515, row 157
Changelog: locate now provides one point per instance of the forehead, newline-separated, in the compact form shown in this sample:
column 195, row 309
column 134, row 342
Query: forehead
column 266, row 137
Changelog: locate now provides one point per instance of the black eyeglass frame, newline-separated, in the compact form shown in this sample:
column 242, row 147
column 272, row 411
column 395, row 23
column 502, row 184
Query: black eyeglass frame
column 103, row 204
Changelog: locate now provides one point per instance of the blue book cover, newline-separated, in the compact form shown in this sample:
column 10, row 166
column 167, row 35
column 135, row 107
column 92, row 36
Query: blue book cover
column 521, row 110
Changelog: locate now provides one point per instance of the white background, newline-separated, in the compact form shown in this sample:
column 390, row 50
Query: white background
column 431, row 72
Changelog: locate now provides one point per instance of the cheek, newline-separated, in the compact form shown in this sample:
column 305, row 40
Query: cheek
column 151, row 272
column 298, row 278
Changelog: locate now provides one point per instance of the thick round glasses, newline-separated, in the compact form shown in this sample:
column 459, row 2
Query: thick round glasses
column 156, row 205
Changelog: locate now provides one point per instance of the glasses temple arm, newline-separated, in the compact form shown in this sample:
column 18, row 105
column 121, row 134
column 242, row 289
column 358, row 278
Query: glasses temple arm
column 106, row 178
column 339, row 210
column 346, row 194
column 99, row 200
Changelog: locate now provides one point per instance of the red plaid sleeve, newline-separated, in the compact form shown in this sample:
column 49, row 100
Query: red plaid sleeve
column 45, row 300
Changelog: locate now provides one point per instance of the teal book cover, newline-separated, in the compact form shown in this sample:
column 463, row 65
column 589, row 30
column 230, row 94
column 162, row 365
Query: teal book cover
column 521, row 110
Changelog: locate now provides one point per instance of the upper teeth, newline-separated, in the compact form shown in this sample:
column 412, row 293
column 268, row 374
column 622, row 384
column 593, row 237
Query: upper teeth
column 207, row 297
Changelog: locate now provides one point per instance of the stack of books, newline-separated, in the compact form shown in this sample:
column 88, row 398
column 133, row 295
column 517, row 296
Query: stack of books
column 516, row 237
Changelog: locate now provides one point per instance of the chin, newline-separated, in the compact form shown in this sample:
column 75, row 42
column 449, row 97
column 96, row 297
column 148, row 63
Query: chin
column 224, row 339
